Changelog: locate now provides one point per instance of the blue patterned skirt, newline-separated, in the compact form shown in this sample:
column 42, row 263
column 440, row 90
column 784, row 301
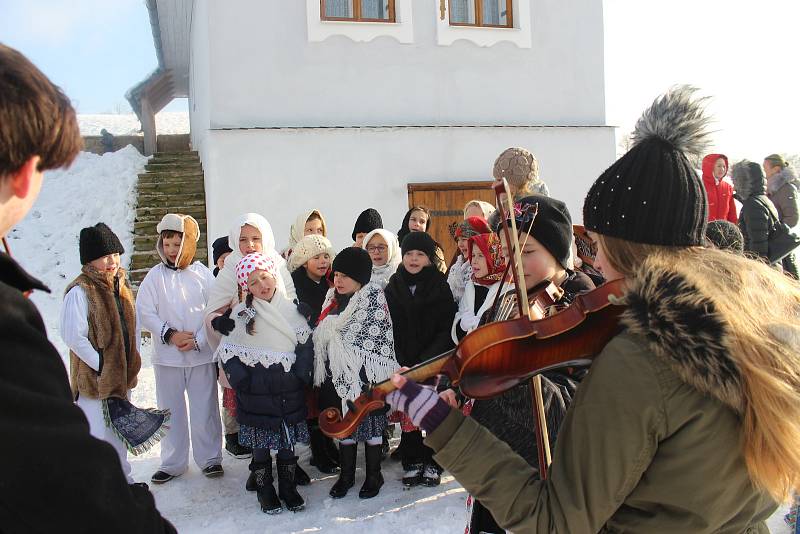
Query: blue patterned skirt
column 275, row 440
column 371, row 427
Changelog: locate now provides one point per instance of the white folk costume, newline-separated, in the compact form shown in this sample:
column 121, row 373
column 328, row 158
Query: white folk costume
column 382, row 273
column 172, row 298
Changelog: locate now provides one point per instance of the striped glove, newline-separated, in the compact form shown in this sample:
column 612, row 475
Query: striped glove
column 421, row 404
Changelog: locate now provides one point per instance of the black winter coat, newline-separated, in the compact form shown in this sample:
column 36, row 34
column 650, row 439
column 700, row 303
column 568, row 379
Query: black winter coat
column 310, row 292
column 265, row 397
column 421, row 322
column 47, row 436
column 755, row 221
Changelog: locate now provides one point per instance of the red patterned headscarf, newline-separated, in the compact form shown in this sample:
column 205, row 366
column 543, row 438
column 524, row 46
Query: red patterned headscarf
column 472, row 226
column 489, row 244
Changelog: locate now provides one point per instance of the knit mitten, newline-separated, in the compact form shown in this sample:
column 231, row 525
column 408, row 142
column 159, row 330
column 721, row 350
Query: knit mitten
column 421, row 404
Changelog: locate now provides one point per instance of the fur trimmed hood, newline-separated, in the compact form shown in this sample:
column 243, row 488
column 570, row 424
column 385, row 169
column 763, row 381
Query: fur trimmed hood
column 186, row 225
column 683, row 327
column 781, row 178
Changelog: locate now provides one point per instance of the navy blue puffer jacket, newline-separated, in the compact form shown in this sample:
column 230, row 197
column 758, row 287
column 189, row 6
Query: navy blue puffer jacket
column 267, row 396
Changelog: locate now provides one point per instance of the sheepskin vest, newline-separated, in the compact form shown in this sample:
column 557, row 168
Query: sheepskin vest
column 112, row 333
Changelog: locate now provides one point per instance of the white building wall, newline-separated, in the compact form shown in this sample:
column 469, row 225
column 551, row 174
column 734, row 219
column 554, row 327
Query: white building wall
column 199, row 81
column 265, row 72
column 280, row 172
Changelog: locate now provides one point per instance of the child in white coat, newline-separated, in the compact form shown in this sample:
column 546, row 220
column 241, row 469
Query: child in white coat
column 171, row 304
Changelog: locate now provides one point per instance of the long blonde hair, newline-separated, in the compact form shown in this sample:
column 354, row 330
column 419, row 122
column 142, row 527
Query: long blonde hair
column 760, row 308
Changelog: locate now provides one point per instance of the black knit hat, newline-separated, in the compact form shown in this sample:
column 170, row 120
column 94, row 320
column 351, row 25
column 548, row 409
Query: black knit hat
column 725, row 235
column 552, row 226
column 652, row 194
column 98, row 241
column 368, row 220
column 219, row 247
column 355, row 263
column 421, row 241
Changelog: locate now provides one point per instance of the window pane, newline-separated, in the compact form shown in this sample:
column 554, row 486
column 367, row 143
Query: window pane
column 495, row 12
column 339, row 9
column 462, row 11
column 375, row 9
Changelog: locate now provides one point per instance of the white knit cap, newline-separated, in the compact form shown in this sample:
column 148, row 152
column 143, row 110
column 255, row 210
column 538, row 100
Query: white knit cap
column 307, row 248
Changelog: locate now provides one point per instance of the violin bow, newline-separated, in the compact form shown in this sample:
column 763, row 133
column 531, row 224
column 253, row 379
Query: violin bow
column 542, row 435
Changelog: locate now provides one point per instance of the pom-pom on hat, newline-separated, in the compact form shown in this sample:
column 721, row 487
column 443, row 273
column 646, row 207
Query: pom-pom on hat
column 652, row 195
column 307, row 248
column 98, row 241
column 355, row 263
column 254, row 262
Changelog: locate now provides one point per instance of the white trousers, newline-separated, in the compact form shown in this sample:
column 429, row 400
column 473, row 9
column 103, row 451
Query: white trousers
column 93, row 410
column 199, row 383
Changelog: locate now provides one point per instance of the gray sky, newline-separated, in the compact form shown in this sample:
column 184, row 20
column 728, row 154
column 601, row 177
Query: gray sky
column 744, row 54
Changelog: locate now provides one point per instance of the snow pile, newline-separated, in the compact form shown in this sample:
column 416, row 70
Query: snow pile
column 94, row 189
column 167, row 122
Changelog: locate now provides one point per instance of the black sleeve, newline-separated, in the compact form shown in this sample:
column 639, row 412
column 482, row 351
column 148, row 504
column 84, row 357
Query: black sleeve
column 757, row 227
column 444, row 316
column 304, row 361
column 237, row 374
column 47, row 436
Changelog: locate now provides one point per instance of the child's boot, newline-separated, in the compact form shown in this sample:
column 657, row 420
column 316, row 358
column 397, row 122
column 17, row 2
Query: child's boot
column 374, row 481
column 347, row 475
column 287, row 486
column 267, row 498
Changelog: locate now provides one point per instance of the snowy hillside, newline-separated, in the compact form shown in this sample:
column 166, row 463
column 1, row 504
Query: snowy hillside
column 101, row 188
column 167, row 122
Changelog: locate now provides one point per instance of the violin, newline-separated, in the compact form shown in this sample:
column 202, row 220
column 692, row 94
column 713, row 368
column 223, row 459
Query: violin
column 498, row 356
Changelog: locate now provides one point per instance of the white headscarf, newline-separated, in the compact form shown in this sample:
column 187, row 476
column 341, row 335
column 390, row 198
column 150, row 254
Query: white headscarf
column 225, row 291
column 381, row 274
column 297, row 231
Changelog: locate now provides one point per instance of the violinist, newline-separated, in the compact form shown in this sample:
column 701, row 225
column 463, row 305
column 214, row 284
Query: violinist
column 689, row 418
column 544, row 230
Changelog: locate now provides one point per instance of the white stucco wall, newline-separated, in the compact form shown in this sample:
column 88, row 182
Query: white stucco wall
column 281, row 172
column 199, row 82
column 265, row 72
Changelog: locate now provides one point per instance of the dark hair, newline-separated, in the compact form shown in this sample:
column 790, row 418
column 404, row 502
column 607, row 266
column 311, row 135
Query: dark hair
column 36, row 118
column 166, row 234
column 250, row 326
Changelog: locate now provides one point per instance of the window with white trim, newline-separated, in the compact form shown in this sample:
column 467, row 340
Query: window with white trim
column 358, row 10
column 360, row 20
column 484, row 13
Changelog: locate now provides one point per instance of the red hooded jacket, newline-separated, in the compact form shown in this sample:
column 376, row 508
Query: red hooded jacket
column 719, row 195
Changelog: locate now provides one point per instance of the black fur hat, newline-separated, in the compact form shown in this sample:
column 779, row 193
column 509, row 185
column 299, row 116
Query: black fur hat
column 355, row 263
column 652, row 194
column 98, row 241
column 725, row 235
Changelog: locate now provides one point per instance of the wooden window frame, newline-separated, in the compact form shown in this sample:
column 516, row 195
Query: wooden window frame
column 357, row 14
column 479, row 16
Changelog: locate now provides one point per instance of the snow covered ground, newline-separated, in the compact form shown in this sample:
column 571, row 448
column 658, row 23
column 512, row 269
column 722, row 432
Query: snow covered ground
column 167, row 122
column 101, row 188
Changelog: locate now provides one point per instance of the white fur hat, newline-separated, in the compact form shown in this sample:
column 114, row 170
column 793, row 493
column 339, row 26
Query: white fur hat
column 307, row 248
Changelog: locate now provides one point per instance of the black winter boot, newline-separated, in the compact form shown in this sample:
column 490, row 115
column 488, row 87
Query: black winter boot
column 301, row 478
column 333, row 450
column 287, row 487
column 413, row 457
column 236, row 450
column 347, row 476
column 267, row 498
column 250, row 485
column 320, row 457
column 374, row 481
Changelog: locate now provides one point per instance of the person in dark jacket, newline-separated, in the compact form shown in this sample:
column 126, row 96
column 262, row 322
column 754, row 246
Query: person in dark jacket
column 82, row 487
column 546, row 241
column 758, row 214
column 422, row 309
column 220, row 250
column 267, row 356
column 310, row 265
column 353, row 347
column 782, row 190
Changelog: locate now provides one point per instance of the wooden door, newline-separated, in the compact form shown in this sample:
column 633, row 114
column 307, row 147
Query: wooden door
column 446, row 201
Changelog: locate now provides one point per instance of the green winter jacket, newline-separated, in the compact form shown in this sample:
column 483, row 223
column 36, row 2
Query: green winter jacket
column 651, row 443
